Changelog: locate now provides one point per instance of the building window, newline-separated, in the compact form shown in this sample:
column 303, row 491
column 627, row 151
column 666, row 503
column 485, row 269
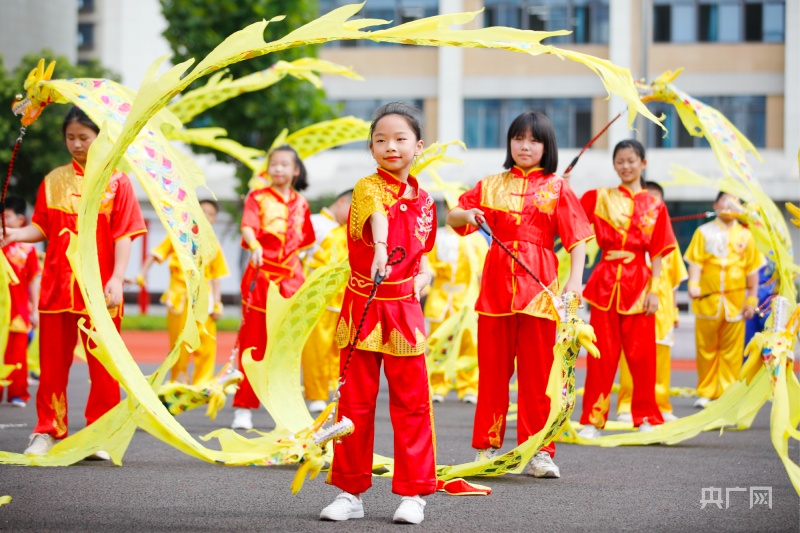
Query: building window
column 85, row 6
column 724, row 21
column 85, row 36
column 486, row 121
column 587, row 19
column 747, row 113
column 396, row 11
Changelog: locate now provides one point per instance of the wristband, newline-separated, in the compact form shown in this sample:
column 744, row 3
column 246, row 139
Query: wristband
column 694, row 284
column 381, row 242
column 752, row 301
column 217, row 308
column 140, row 280
column 254, row 245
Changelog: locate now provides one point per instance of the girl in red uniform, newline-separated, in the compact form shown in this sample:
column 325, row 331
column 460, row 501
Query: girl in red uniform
column 61, row 304
column 276, row 226
column 388, row 210
column 526, row 207
column 630, row 225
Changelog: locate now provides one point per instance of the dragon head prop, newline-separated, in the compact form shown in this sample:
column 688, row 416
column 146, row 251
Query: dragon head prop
column 37, row 94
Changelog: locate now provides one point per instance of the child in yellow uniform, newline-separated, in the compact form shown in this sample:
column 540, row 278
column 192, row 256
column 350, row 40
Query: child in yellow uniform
column 723, row 284
column 673, row 272
column 452, row 274
column 175, row 300
column 321, row 353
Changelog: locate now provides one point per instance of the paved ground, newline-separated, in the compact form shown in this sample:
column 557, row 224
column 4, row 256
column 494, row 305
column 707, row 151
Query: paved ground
column 653, row 488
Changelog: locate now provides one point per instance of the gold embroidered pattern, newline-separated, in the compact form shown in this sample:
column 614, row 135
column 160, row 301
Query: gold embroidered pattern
column 274, row 215
column 647, row 222
column 107, row 202
column 63, row 189
column 597, row 417
column 615, row 207
column 370, row 196
column 425, row 221
column 397, row 344
column 504, row 193
column 546, row 197
column 542, row 304
column 59, row 406
column 495, row 430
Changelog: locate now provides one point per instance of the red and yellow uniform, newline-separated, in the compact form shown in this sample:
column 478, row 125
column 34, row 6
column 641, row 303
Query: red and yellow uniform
column 175, row 300
column 61, row 303
column 673, row 272
column 726, row 256
column 629, row 226
column 526, row 211
column 392, row 334
column 283, row 228
column 23, row 259
column 321, row 352
column 452, row 273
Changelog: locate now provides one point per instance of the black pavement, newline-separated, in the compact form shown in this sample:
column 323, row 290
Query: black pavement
column 651, row 488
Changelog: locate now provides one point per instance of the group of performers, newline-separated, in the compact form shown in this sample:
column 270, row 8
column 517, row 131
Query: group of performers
column 386, row 227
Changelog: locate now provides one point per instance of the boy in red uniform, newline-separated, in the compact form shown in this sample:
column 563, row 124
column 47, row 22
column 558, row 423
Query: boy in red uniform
column 623, row 290
column 24, row 299
column 389, row 210
column 276, row 226
column 61, row 304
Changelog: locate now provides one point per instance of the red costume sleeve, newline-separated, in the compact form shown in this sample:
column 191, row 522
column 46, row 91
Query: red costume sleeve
column 309, row 237
column 663, row 239
column 40, row 211
column 469, row 200
column 589, row 202
column 432, row 236
column 573, row 225
column 126, row 215
column 250, row 218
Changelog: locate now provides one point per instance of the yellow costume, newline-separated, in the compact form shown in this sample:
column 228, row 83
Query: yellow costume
column 726, row 256
column 673, row 272
column 321, row 354
column 452, row 274
column 175, row 300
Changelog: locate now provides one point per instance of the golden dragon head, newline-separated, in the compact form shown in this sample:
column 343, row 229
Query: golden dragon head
column 37, row 95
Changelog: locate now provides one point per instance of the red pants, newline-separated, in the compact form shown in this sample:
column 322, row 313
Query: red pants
column 636, row 335
column 412, row 421
column 501, row 339
column 253, row 334
column 58, row 335
column 17, row 353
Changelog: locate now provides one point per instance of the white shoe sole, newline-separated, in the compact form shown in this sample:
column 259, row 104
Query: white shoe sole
column 340, row 518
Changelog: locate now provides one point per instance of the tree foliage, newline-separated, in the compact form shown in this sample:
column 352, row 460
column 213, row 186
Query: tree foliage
column 43, row 147
column 195, row 27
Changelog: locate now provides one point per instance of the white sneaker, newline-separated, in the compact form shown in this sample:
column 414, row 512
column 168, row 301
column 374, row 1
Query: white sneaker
column 625, row 417
column 488, row 453
column 40, row 444
column 344, row 507
column 17, row 402
column 437, row 398
column 542, row 465
column 242, row 419
column 470, row 398
column 99, row 455
column 410, row 511
column 701, row 402
column 669, row 417
column 317, row 406
column 589, row 432
column 646, row 427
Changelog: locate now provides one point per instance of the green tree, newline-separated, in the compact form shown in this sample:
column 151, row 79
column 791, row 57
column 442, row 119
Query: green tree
column 195, row 27
column 43, row 147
